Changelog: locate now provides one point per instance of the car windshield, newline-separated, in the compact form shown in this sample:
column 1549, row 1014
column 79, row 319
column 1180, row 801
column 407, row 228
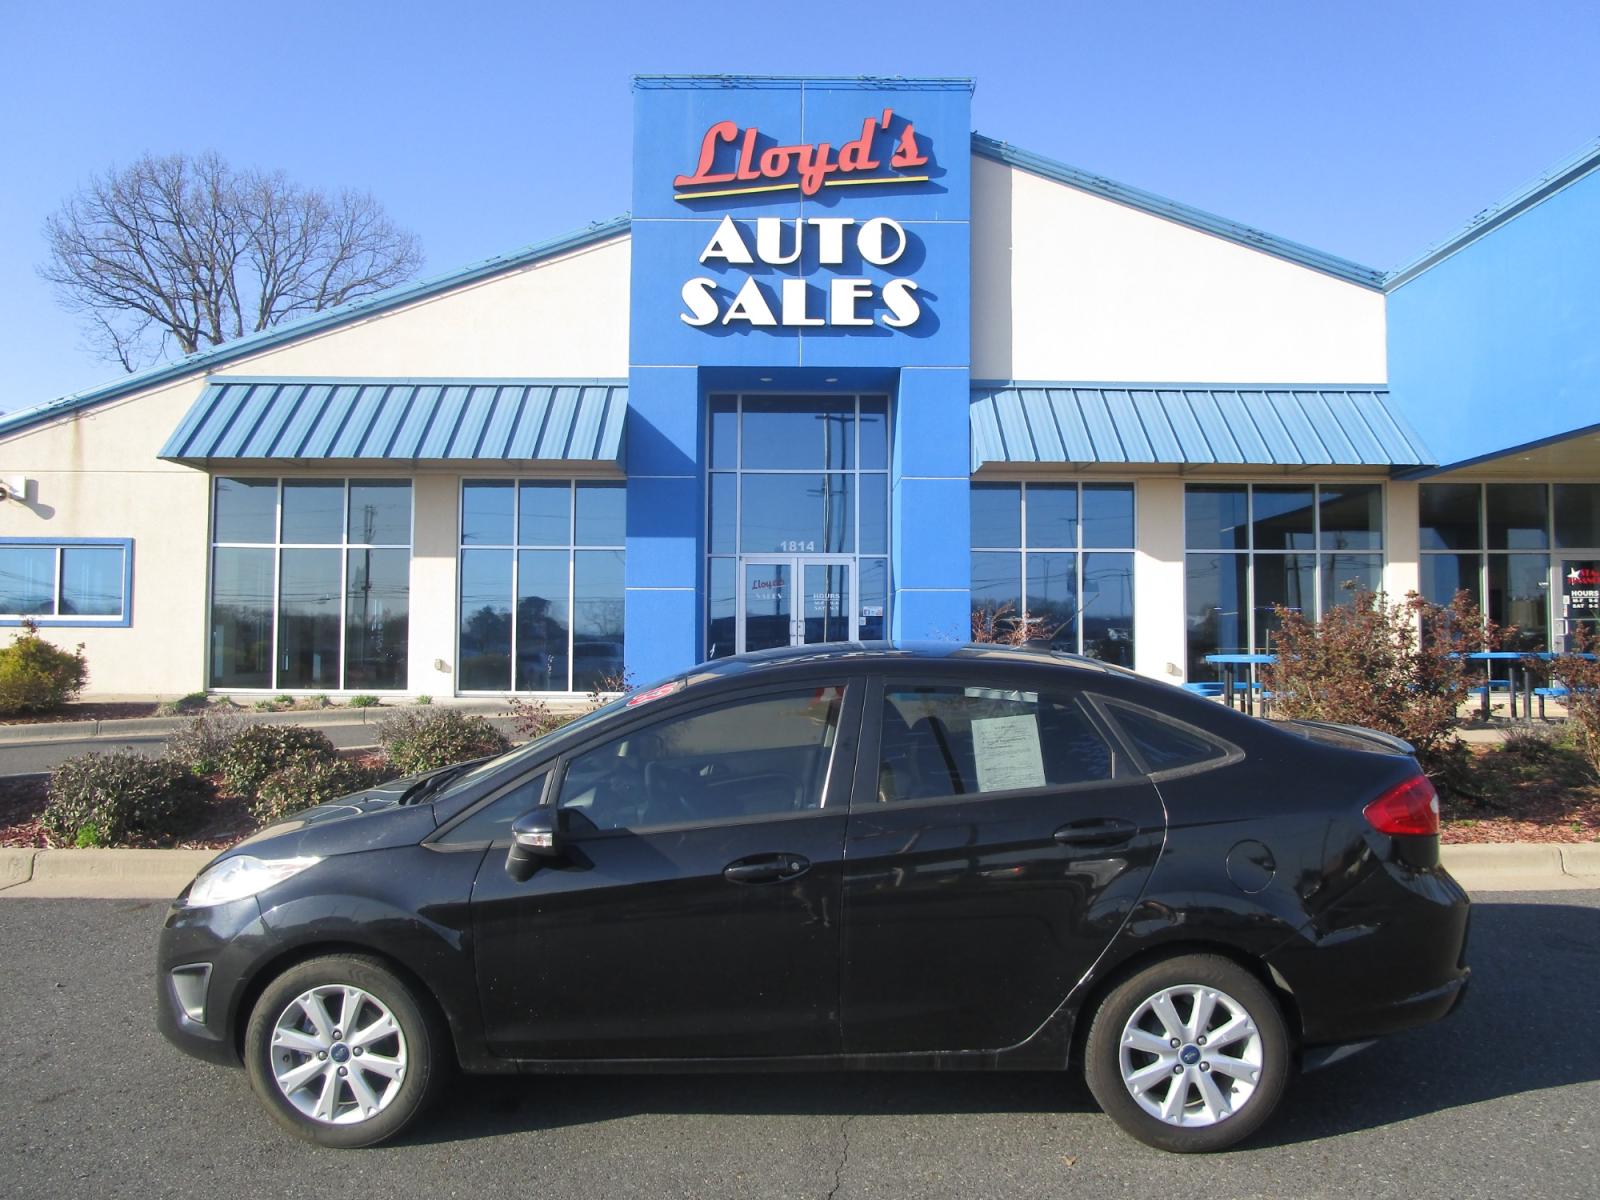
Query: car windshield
column 533, row 749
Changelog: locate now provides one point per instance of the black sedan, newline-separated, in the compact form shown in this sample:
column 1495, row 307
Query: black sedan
column 859, row 856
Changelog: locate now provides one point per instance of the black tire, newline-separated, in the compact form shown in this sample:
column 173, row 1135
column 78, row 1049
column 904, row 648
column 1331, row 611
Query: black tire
column 420, row 1036
column 1103, row 1067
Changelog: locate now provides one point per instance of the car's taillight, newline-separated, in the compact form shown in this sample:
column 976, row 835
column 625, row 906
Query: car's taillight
column 1408, row 808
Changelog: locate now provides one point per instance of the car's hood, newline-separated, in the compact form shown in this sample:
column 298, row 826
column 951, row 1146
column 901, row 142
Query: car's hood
column 371, row 820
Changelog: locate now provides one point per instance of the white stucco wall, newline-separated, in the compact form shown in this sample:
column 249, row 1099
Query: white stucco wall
column 95, row 473
column 1069, row 286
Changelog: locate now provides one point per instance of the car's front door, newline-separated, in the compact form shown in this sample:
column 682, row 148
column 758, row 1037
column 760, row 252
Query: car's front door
column 990, row 861
column 698, row 913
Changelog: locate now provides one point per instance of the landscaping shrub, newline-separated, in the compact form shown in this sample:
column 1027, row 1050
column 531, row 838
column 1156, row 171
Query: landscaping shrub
column 36, row 676
column 308, row 782
column 424, row 698
column 1582, row 676
column 105, row 799
column 1390, row 666
column 535, row 718
column 192, row 703
column 363, row 700
column 262, row 750
column 417, row 742
column 1001, row 624
column 201, row 743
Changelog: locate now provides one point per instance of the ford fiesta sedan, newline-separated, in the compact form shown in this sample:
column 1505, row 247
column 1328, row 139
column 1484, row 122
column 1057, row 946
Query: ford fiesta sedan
column 858, row 856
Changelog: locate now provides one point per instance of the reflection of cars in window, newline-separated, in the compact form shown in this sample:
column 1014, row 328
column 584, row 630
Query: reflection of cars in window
column 976, row 856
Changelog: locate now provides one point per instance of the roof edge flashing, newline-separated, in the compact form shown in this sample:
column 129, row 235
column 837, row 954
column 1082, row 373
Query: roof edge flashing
column 1530, row 195
column 1178, row 212
column 204, row 361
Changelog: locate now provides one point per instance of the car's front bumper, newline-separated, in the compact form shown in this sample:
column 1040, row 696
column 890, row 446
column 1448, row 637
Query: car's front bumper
column 204, row 962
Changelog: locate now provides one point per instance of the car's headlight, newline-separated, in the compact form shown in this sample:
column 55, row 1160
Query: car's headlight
column 243, row 875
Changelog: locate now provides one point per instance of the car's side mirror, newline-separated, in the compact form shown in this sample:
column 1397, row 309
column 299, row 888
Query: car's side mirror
column 535, row 840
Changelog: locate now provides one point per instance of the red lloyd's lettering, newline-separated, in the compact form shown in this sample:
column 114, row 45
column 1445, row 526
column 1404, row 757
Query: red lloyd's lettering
column 812, row 162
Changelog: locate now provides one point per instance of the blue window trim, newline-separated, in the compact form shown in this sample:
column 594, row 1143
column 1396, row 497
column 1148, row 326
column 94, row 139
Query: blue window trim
column 56, row 622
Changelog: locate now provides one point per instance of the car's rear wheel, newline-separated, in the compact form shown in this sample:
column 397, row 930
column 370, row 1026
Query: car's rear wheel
column 1190, row 1054
column 342, row 1052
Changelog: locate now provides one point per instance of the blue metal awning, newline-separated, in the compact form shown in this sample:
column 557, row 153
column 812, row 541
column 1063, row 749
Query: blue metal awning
column 1188, row 425
column 403, row 419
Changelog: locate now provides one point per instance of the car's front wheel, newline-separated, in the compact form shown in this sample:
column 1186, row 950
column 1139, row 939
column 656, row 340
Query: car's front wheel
column 342, row 1052
column 1190, row 1054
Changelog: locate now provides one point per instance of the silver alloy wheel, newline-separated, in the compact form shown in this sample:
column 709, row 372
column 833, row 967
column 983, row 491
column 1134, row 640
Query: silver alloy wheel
column 338, row 1054
column 1191, row 1055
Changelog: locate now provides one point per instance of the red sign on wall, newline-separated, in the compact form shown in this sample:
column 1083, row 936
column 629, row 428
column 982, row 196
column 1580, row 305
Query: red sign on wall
column 807, row 166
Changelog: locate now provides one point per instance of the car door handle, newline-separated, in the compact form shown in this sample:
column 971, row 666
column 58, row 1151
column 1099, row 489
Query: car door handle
column 1099, row 833
column 766, row 868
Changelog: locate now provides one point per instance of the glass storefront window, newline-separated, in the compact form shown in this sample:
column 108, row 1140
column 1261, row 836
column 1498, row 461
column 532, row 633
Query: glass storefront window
column 1517, row 516
column 1216, row 516
column 1577, row 513
column 1509, row 569
column 793, row 477
column 27, row 580
column 1028, row 565
column 310, row 584
column 541, row 611
column 1252, row 550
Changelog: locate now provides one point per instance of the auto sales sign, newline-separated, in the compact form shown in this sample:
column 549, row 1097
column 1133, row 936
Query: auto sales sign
column 884, row 152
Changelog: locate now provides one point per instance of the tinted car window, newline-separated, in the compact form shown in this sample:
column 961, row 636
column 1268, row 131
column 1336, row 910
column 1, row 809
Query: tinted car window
column 1162, row 744
column 492, row 822
column 746, row 759
column 957, row 741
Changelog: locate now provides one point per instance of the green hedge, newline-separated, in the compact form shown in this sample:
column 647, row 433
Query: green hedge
column 36, row 676
column 416, row 742
column 309, row 782
column 263, row 750
column 105, row 799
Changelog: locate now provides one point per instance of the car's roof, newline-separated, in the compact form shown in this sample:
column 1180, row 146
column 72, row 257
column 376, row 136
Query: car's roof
column 858, row 655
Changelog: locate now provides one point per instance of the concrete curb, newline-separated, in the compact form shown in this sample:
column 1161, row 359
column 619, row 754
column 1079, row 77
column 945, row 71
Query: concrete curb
column 103, row 874
column 162, row 874
column 143, row 727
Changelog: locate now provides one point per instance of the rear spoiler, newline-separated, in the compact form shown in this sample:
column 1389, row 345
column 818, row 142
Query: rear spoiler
column 1375, row 739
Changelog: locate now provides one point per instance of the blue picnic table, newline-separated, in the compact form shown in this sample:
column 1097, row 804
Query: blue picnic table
column 1230, row 664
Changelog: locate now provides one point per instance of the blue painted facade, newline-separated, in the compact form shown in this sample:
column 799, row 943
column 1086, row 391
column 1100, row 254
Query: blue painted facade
column 922, row 365
column 1494, row 336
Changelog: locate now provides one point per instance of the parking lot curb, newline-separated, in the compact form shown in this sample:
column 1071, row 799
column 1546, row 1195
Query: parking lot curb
column 16, row 866
column 161, row 874
column 103, row 874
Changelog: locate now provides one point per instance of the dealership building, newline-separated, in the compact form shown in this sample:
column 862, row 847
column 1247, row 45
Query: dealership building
column 847, row 371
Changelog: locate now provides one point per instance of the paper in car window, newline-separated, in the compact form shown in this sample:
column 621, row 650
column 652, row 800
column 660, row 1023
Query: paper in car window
column 1007, row 752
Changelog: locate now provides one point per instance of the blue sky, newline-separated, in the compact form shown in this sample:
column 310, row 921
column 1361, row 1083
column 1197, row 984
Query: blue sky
column 1369, row 130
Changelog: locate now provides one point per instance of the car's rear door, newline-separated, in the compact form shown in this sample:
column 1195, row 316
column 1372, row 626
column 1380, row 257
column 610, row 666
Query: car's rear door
column 699, row 914
column 998, row 837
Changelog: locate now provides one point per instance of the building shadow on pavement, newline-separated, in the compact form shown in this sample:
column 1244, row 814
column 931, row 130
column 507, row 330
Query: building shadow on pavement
column 1525, row 1026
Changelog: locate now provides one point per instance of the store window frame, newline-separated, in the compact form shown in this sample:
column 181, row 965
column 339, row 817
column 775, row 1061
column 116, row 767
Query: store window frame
column 1553, row 551
column 1079, row 549
column 572, row 547
column 277, row 546
column 1316, row 551
column 58, row 619
column 739, row 472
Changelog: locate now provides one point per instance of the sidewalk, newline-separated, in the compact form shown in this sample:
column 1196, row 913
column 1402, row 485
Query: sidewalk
column 35, row 733
column 162, row 874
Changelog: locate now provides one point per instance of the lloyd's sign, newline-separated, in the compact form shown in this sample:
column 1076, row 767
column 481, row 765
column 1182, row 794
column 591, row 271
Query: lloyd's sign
column 734, row 162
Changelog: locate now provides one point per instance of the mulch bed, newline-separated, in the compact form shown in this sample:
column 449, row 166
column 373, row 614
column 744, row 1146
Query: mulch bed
column 225, row 821
column 1540, row 791
column 121, row 711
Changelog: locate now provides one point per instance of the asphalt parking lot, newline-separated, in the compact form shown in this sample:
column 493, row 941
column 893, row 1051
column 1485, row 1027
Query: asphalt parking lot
column 1503, row 1099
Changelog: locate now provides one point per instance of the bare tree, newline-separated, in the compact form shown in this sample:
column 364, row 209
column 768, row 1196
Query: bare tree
column 189, row 251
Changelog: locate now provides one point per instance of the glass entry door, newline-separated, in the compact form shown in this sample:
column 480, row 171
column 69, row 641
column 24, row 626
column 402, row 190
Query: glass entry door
column 795, row 601
column 1580, row 599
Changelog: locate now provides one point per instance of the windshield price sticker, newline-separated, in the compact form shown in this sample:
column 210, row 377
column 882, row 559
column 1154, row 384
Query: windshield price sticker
column 655, row 693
